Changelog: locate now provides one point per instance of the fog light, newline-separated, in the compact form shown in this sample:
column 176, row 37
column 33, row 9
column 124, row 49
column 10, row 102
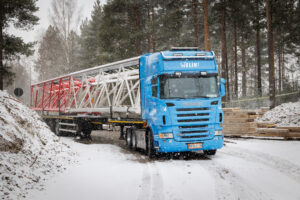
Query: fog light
column 165, row 135
column 218, row 133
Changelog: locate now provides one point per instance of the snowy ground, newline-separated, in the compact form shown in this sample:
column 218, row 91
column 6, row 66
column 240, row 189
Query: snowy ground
column 243, row 169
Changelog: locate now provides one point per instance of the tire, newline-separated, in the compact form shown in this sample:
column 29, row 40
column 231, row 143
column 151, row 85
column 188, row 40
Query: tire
column 128, row 138
column 52, row 125
column 56, row 131
column 210, row 152
column 87, row 133
column 149, row 144
column 133, row 139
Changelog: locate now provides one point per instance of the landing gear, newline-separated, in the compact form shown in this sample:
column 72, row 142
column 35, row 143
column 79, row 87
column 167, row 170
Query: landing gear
column 121, row 133
column 210, row 152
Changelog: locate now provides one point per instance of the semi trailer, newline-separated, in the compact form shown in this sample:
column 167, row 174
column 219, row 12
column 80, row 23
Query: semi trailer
column 168, row 101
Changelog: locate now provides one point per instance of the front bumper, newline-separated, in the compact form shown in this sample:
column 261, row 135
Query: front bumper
column 170, row 145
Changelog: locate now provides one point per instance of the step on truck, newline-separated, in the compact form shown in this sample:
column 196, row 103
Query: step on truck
column 168, row 101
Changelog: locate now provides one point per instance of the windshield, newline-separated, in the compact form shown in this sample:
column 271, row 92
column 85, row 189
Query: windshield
column 187, row 86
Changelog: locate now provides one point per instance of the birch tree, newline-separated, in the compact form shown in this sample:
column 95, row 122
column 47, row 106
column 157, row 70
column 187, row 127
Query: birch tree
column 65, row 16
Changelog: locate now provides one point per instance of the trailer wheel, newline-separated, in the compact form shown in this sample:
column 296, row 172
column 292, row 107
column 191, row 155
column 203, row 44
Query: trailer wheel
column 128, row 138
column 210, row 152
column 52, row 125
column 133, row 139
column 149, row 144
column 56, row 131
column 87, row 133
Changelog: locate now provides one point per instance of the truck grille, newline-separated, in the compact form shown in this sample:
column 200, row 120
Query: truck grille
column 191, row 109
column 193, row 123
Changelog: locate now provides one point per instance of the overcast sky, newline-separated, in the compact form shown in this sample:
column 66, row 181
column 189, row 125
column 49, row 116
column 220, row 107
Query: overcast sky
column 43, row 14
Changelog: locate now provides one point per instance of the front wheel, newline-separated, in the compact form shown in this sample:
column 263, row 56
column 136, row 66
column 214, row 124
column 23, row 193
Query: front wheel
column 210, row 152
column 149, row 144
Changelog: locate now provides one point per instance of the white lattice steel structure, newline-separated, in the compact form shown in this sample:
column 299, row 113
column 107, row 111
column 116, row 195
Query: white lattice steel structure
column 102, row 89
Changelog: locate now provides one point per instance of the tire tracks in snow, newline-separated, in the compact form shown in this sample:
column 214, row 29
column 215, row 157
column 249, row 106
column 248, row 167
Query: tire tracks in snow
column 152, row 186
column 229, row 185
column 283, row 166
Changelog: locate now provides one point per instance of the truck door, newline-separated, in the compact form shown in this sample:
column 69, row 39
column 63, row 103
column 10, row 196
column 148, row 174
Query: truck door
column 151, row 99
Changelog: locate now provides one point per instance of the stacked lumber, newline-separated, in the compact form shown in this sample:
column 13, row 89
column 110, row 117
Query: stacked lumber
column 238, row 122
column 274, row 131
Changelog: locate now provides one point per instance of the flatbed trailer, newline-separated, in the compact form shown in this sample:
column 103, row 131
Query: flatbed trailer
column 169, row 101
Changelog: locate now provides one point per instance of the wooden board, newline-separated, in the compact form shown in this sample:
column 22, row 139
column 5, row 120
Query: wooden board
column 265, row 125
column 291, row 129
column 271, row 130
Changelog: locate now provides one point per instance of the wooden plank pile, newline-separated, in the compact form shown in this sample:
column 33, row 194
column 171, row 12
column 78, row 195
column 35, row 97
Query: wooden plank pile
column 238, row 122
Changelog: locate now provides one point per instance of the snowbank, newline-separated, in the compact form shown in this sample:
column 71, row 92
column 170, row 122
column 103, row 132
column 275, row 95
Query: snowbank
column 29, row 151
column 287, row 114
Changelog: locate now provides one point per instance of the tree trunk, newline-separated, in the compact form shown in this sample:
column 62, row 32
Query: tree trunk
column 258, row 55
column 206, row 29
column 235, row 61
column 195, row 5
column 1, row 48
column 149, row 28
column 224, row 49
column 279, row 69
column 258, row 51
column 153, row 35
column 282, row 67
column 270, row 56
column 244, row 80
column 138, row 28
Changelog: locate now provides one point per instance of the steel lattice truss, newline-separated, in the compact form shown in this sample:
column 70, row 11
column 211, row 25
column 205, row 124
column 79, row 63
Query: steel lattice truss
column 102, row 89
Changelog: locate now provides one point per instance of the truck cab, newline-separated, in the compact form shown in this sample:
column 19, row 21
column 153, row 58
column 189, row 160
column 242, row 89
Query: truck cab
column 181, row 101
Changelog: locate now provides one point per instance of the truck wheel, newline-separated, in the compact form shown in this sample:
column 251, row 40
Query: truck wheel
column 52, row 125
column 128, row 138
column 210, row 152
column 149, row 144
column 87, row 133
column 133, row 139
column 56, row 131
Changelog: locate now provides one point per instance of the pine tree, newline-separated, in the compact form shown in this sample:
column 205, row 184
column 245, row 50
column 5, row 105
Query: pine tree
column 89, row 39
column 206, row 29
column 20, row 13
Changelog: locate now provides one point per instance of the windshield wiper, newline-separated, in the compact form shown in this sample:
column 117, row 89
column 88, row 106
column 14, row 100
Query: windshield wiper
column 205, row 97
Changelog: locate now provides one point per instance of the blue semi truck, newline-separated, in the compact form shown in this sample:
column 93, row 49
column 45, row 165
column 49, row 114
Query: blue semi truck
column 168, row 101
column 181, row 101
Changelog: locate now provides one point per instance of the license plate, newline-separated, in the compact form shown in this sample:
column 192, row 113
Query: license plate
column 195, row 146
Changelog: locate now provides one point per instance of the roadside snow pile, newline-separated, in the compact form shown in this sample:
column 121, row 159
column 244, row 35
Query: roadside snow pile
column 29, row 151
column 287, row 114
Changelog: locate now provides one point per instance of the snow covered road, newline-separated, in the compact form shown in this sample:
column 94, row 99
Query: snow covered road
column 243, row 169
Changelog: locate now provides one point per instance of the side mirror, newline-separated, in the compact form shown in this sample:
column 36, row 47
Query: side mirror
column 222, row 87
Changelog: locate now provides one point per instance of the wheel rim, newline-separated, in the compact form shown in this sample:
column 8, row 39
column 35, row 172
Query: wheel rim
column 133, row 141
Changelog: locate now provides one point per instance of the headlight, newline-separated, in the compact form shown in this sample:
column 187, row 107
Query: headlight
column 165, row 135
column 218, row 132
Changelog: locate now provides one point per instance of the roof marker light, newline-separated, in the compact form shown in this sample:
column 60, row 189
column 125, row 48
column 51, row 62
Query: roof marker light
column 203, row 73
column 178, row 54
